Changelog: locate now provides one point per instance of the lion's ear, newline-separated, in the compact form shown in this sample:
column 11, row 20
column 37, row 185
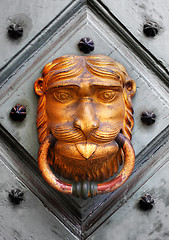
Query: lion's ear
column 38, row 86
column 130, row 86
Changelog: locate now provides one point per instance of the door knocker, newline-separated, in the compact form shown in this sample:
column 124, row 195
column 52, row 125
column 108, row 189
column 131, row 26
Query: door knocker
column 84, row 124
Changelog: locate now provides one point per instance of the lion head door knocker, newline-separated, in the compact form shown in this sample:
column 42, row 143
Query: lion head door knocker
column 84, row 123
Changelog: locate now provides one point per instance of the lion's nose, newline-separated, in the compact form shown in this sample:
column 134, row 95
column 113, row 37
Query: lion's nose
column 85, row 118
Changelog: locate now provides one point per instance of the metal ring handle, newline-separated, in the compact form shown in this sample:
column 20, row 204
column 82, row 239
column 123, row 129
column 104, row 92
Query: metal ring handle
column 124, row 174
column 83, row 189
column 45, row 170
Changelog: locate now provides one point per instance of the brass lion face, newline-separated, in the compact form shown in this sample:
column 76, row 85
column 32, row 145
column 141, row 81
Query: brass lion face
column 85, row 102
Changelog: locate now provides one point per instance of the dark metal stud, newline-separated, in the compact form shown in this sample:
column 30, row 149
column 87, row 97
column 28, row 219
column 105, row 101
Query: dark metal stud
column 148, row 117
column 18, row 113
column 15, row 31
column 146, row 202
column 16, row 196
column 86, row 45
column 150, row 29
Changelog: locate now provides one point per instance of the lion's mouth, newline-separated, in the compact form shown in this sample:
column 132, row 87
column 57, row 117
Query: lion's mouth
column 72, row 143
column 86, row 149
column 86, row 160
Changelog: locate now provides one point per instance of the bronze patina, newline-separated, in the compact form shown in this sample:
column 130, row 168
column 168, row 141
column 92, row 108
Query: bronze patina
column 84, row 123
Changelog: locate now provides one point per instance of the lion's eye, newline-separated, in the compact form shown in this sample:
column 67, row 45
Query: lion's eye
column 106, row 95
column 63, row 96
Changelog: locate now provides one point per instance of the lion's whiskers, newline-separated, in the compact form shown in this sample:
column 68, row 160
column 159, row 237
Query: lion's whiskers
column 70, row 134
column 67, row 134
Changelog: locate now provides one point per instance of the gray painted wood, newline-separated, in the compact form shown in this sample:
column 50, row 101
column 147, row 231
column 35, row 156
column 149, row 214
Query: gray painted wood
column 129, row 222
column 28, row 220
column 32, row 15
column 111, row 38
column 150, row 94
column 134, row 13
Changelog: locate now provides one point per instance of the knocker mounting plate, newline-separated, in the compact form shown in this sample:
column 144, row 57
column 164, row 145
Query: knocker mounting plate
column 84, row 122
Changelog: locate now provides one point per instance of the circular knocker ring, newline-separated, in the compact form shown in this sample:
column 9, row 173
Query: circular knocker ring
column 87, row 189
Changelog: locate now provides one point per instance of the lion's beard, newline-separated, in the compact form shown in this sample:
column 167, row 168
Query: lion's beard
column 90, row 169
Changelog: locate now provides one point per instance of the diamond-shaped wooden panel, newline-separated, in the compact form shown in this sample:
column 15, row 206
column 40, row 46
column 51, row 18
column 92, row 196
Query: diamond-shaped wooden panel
column 61, row 38
column 150, row 95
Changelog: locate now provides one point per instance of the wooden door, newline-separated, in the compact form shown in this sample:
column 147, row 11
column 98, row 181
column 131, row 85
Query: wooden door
column 134, row 33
